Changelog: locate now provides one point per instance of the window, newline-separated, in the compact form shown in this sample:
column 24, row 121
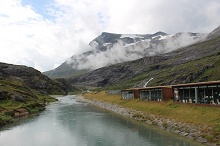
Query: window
column 192, row 98
column 145, row 94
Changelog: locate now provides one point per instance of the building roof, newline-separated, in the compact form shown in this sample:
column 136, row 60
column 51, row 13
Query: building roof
column 197, row 84
column 178, row 85
column 154, row 87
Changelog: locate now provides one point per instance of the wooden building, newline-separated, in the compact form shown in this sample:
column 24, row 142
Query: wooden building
column 157, row 93
column 130, row 93
column 199, row 93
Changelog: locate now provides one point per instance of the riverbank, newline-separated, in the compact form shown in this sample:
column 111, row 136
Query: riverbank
column 162, row 114
column 12, row 110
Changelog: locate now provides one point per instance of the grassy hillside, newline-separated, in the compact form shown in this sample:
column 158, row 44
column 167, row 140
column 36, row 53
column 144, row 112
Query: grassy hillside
column 24, row 90
column 195, row 63
column 205, row 69
column 15, row 95
column 64, row 71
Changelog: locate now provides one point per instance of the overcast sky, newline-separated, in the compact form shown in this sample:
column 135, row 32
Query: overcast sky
column 44, row 33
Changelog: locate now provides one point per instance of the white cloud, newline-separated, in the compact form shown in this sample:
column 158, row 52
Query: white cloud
column 123, row 51
column 170, row 16
column 212, row 13
column 29, row 38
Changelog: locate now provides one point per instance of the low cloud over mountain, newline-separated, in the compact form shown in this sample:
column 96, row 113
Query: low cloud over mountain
column 109, row 48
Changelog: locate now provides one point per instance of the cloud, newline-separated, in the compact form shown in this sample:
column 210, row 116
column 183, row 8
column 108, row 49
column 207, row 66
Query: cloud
column 212, row 12
column 46, row 34
column 30, row 39
column 123, row 51
column 169, row 16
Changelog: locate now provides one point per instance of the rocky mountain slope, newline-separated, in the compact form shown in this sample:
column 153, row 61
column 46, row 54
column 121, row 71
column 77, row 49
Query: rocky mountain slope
column 30, row 77
column 193, row 63
column 214, row 33
column 109, row 48
column 24, row 90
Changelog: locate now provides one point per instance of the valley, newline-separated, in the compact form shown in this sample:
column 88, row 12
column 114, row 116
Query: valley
column 25, row 91
column 110, row 73
column 109, row 49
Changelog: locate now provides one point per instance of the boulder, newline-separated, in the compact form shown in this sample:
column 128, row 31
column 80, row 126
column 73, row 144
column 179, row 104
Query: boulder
column 20, row 112
column 17, row 97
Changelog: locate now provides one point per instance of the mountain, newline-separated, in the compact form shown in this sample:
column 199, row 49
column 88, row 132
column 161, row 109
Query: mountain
column 29, row 77
column 214, row 33
column 109, row 48
column 24, row 90
column 194, row 63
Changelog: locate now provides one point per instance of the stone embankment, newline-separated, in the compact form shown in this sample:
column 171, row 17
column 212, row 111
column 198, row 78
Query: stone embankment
column 198, row 133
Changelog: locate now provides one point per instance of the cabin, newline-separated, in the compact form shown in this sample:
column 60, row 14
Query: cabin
column 130, row 94
column 198, row 93
column 157, row 93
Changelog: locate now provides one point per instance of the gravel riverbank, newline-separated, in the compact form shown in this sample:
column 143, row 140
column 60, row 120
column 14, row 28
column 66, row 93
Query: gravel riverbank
column 194, row 132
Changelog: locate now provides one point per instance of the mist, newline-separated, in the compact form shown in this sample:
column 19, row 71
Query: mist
column 93, row 58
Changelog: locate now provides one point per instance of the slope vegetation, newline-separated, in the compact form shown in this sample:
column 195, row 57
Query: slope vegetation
column 24, row 90
column 110, row 48
column 194, row 63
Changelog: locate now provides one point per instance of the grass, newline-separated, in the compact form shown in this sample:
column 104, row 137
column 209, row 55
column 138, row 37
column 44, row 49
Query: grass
column 75, row 92
column 31, row 99
column 207, row 68
column 7, row 107
column 173, row 71
column 186, row 113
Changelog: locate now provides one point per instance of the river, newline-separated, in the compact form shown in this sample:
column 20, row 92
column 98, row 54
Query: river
column 72, row 123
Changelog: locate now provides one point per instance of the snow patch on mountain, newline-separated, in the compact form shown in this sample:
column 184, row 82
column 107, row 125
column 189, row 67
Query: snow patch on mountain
column 108, row 49
column 133, row 36
column 165, row 37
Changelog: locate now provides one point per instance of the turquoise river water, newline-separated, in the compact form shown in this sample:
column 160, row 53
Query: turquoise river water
column 72, row 123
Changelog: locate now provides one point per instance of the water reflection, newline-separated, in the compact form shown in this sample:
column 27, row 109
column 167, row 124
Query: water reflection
column 71, row 123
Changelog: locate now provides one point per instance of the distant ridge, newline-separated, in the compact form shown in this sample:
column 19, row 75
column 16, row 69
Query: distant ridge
column 110, row 48
column 214, row 33
column 197, row 62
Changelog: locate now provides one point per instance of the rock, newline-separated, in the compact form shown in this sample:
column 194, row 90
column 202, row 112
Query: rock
column 42, row 104
column 3, row 95
column 195, row 134
column 30, row 78
column 190, row 131
column 190, row 137
column 176, row 131
column 201, row 140
column 211, row 144
column 17, row 97
column 20, row 112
